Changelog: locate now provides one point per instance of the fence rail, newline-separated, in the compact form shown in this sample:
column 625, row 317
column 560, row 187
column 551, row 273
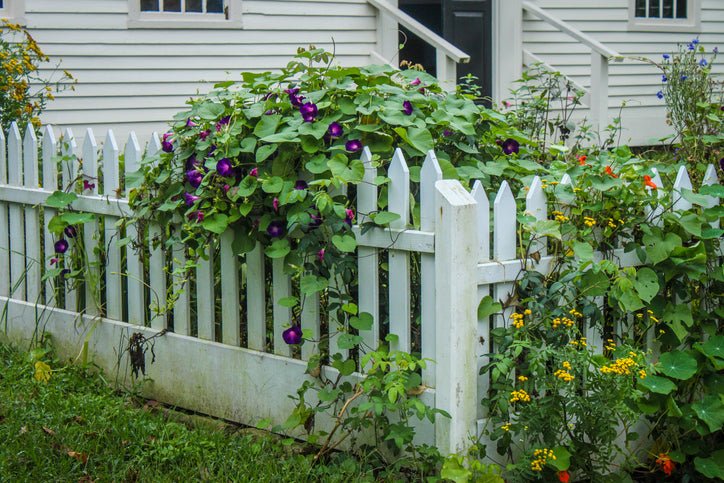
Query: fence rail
column 225, row 355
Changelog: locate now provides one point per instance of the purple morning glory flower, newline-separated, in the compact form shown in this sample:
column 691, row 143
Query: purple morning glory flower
column 197, row 216
column 308, row 111
column 664, row 78
column 64, row 272
column 61, row 246
column 510, row 146
column 316, row 220
column 301, row 185
column 335, row 130
column 167, row 145
column 660, row 95
column 447, row 133
column 204, row 134
column 275, row 205
column 703, row 63
column 320, row 255
column 191, row 163
column 294, row 98
column 721, row 164
column 190, row 199
column 190, row 123
column 353, row 145
column 254, row 172
column 224, row 168
column 666, row 56
column 222, row 122
column 407, row 108
column 349, row 216
column 416, row 82
column 293, row 335
column 275, row 229
column 194, row 178
column 54, row 261
column 70, row 231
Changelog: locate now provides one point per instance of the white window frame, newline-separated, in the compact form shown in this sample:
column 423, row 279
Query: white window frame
column 13, row 10
column 692, row 22
column 184, row 20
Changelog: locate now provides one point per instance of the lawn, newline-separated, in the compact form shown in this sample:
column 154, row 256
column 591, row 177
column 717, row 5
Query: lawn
column 75, row 427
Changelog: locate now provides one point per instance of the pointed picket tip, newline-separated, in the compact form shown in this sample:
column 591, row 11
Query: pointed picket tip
column 48, row 134
column 15, row 144
column 431, row 170
column 682, row 179
column 132, row 153
column 154, row 144
column 110, row 142
column 481, row 197
column 398, row 164
column 29, row 136
column 14, row 131
column 90, row 140
column 710, row 176
column 366, row 157
column 504, row 196
column 69, row 137
column 535, row 189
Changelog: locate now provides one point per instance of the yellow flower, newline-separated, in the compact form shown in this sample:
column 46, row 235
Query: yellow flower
column 519, row 395
column 505, row 427
column 517, row 320
column 522, row 378
column 42, row 372
column 541, row 457
column 588, row 221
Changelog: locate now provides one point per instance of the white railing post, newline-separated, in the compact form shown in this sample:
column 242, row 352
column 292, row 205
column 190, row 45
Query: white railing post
column 388, row 40
column 447, row 71
column 507, row 46
column 599, row 92
column 456, row 254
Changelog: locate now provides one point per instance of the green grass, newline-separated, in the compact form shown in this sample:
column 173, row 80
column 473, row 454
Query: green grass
column 48, row 429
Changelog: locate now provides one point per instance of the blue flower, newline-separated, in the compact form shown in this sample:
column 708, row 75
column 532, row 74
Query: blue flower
column 715, row 50
column 684, row 77
column 695, row 41
column 660, row 95
column 666, row 56
column 664, row 78
column 691, row 46
column 703, row 63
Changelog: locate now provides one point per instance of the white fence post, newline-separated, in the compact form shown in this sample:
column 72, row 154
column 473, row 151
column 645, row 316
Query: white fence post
column 33, row 261
column 4, row 240
column 599, row 92
column 111, row 183
column 134, row 260
column 90, row 230
column 456, row 245
column 16, row 222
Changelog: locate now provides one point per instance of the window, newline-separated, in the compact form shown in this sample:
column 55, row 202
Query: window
column 664, row 15
column 184, row 14
column 14, row 10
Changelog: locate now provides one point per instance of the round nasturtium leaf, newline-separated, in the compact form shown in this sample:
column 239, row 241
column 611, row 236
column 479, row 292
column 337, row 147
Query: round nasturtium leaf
column 659, row 385
column 714, row 347
column 677, row 364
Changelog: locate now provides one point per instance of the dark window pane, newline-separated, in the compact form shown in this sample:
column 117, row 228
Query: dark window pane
column 194, row 6
column 641, row 8
column 171, row 5
column 215, row 6
column 668, row 9
column 1, row 3
column 149, row 5
column 681, row 9
column 654, row 11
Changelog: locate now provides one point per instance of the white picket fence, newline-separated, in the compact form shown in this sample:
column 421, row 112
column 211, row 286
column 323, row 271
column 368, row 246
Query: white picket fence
column 237, row 366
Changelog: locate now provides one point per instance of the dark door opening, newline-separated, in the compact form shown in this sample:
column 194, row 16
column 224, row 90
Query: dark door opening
column 467, row 24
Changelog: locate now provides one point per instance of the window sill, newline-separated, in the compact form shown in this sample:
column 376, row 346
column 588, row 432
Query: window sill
column 175, row 23
column 663, row 25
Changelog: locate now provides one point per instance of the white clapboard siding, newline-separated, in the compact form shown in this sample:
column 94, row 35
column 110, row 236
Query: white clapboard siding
column 33, row 261
column 430, row 174
column 205, row 295
column 504, row 244
column 16, row 222
column 282, row 288
column 398, row 201
column 50, row 183
column 368, row 257
column 4, row 241
column 111, row 183
column 256, row 299
column 134, row 260
column 69, row 171
column 91, row 229
column 229, row 264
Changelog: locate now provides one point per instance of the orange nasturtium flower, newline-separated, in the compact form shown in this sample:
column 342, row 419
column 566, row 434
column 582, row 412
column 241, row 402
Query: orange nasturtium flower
column 564, row 476
column 582, row 160
column 667, row 466
column 610, row 172
column 649, row 183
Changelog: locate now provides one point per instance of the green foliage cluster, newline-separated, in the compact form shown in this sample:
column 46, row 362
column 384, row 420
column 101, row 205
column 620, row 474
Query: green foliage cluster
column 20, row 61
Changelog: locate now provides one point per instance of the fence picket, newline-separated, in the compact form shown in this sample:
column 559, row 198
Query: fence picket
column 683, row 182
column 710, row 178
column 15, row 214
column 256, row 299
column 430, row 174
column 205, row 298
column 4, row 239
column 310, row 323
column 69, row 170
column 181, row 306
column 504, row 243
column 398, row 199
column 33, row 260
column 157, row 260
column 536, row 205
column 368, row 257
column 134, row 260
column 111, row 183
column 91, row 229
column 281, row 288
column 229, row 264
column 484, row 345
column 655, row 214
